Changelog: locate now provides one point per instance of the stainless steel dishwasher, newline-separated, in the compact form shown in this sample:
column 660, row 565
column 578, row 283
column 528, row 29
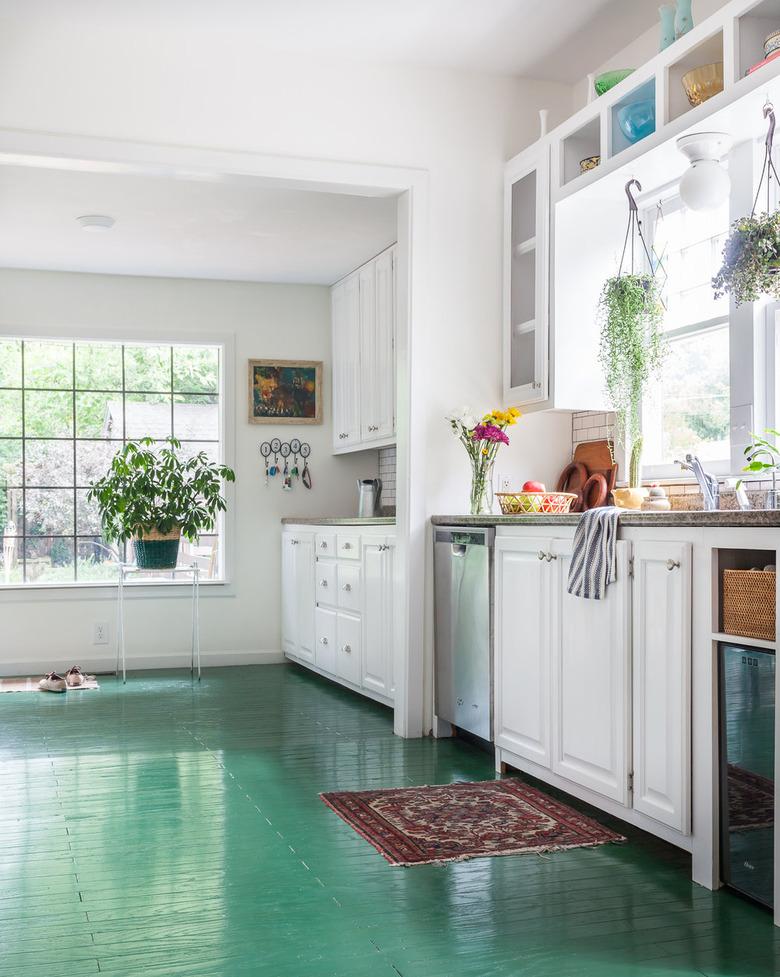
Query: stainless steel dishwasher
column 463, row 570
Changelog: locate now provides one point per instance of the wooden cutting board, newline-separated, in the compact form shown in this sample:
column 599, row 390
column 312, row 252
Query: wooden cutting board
column 595, row 455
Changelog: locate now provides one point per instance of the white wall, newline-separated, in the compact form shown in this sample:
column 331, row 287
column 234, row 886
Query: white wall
column 238, row 622
column 641, row 49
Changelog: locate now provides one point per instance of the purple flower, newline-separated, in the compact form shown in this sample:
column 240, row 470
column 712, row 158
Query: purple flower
column 489, row 432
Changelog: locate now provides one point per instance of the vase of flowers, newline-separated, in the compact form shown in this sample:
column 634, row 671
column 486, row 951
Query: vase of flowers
column 482, row 438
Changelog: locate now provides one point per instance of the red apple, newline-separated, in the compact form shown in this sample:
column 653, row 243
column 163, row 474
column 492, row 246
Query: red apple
column 533, row 487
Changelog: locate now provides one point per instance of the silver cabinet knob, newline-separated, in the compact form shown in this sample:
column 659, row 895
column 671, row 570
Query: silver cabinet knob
column 348, row 649
column 323, row 641
column 551, row 556
column 294, row 542
column 323, row 545
column 323, row 583
column 347, row 587
column 348, row 546
column 540, row 555
column 672, row 564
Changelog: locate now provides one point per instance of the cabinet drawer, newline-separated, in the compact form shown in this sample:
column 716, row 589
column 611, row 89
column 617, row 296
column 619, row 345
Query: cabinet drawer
column 325, row 644
column 348, row 546
column 325, row 544
column 348, row 586
column 327, row 591
column 348, row 650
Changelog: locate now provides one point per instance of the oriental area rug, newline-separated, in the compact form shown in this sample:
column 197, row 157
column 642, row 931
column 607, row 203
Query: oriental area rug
column 453, row 822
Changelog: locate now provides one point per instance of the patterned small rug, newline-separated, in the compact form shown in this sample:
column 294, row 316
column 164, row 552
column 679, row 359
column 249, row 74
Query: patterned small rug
column 751, row 800
column 453, row 822
column 31, row 685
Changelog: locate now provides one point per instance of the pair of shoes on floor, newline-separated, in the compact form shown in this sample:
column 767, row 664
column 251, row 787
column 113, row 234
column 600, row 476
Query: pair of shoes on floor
column 53, row 682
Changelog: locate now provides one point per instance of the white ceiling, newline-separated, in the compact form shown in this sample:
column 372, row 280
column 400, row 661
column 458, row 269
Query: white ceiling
column 187, row 229
column 558, row 40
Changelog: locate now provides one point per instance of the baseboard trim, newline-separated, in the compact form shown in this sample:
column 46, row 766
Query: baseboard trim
column 105, row 663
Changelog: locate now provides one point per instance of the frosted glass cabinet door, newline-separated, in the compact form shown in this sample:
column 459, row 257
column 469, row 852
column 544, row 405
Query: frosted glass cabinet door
column 526, row 274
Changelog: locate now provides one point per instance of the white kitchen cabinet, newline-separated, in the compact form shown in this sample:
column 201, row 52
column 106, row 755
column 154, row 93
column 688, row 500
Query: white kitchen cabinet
column 345, row 311
column 662, row 683
column 377, row 662
column 337, row 606
column 364, row 371
column 591, row 680
column 527, row 276
column 298, row 595
column 522, row 648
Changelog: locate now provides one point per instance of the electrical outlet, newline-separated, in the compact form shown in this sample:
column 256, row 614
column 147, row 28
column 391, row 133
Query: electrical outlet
column 504, row 483
column 101, row 634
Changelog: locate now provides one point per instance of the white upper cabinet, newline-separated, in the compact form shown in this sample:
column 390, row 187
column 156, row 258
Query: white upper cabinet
column 345, row 305
column 662, row 682
column 527, row 276
column 364, row 373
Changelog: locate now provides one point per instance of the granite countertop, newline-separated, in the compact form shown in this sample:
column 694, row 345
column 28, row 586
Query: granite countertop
column 722, row 519
column 338, row 521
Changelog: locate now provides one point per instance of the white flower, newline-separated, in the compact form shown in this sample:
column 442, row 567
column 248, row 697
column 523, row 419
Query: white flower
column 462, row 415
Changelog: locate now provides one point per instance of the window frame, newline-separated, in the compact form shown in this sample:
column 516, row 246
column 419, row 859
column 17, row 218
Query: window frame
column 141, row 587
column 648, row 211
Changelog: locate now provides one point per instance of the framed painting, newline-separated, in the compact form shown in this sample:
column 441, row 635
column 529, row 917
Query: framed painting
column 285, row 392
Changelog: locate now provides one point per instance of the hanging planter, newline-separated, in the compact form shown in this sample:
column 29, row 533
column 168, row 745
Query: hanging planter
column 751, row 255
column 631, row 347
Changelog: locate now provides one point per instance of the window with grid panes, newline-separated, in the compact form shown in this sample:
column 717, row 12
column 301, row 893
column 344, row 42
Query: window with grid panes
column 65, row 409
column 687, row 409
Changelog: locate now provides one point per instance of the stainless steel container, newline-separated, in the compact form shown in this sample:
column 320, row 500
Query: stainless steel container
column 369, row 496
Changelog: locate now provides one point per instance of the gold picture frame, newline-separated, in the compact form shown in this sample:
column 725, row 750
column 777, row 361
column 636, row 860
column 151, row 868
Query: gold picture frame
column 285, row 392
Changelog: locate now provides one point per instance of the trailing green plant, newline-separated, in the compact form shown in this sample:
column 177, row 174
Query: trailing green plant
column 631, row 351
column 751, row 260
column 147, row 490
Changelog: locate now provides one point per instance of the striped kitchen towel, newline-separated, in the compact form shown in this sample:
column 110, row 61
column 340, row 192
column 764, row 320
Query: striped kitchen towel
column 593, row 561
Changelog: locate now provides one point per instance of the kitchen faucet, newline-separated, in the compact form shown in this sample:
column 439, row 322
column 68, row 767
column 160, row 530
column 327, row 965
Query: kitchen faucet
column 707, row 483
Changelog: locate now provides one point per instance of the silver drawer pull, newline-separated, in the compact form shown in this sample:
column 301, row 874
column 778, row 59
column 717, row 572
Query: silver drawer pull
column 540, row 555
column 348, row 649
column 672, row 564
column 347, row 587
column 551, row 556
column 323, row 583
column 323, row 641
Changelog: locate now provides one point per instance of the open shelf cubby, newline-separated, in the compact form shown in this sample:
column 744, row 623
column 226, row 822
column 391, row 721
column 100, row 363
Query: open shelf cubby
column 753, row 28
column 643, row 100
column 709, row 51
column 740, row 559
column 580, row 145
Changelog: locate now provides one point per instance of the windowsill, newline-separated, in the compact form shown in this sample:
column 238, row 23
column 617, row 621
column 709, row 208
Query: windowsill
column 107, row 589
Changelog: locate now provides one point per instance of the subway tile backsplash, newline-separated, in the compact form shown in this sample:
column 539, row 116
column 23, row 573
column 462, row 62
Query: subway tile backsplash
column 387, row 467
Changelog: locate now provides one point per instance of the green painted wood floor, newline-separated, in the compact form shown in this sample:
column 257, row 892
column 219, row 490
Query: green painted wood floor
column 166, row 829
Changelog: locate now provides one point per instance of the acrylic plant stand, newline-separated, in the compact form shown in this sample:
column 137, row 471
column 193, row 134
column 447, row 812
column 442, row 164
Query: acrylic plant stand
column 129, row 569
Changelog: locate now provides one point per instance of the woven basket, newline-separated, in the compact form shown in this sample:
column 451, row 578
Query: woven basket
column 749, row 603
column 538, row 503
column 156, row 550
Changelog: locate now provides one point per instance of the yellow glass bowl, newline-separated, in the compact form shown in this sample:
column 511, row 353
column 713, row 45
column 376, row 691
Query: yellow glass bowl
column 702, row 83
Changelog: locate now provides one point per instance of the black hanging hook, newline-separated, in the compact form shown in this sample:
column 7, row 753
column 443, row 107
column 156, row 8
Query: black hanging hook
column 632, row 205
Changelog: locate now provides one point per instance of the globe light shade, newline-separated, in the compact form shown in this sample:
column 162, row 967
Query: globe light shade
column 705, row 184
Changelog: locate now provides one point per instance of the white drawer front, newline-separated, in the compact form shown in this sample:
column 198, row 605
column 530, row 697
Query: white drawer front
column 348, row 546
column 325, row 544
column 349, row 587
column 348, row 651
column 326, row 586
column 326, row 640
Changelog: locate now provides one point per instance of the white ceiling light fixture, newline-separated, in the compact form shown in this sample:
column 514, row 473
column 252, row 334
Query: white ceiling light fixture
column 95, row 222
column 705, row 184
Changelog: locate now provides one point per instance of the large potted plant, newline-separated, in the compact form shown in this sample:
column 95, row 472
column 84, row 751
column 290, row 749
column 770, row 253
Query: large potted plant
column 153, row 498
column 631, row 351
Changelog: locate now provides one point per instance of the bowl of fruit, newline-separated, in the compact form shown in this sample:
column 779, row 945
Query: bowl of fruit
column 534, row 499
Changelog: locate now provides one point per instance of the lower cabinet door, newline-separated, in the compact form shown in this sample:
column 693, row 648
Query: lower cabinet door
column 348, row 647
column 325, row 644
column 522, row 647
column 377, row 657
column 305, row 595
column 591, row 680
column 662, row 682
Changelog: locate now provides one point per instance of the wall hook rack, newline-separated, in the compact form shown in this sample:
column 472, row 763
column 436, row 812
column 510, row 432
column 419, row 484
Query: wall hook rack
column 274, row 450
